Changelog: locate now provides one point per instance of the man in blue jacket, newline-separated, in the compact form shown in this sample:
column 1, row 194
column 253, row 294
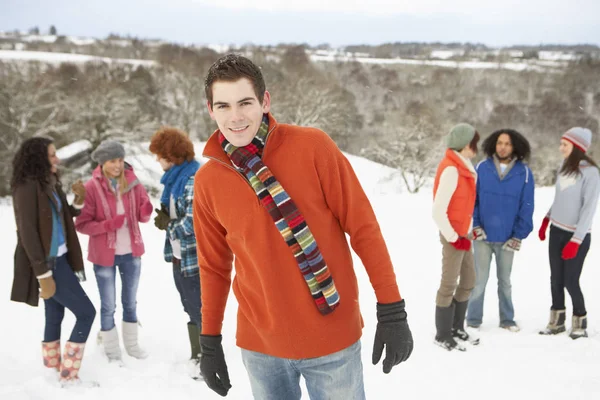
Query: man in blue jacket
column 502, row 218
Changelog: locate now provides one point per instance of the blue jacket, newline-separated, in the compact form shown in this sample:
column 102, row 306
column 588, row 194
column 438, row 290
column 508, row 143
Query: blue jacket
column 504, row 207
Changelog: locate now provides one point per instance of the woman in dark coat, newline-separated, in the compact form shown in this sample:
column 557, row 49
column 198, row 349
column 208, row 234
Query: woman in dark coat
column 48, row 255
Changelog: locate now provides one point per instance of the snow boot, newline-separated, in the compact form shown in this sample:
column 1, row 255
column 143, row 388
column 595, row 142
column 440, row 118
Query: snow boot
column 112, row 348
column 458, row 326
column 130, row 340
column 444, row 319
column 51, row 354
column 578, row 327
column 556, row 324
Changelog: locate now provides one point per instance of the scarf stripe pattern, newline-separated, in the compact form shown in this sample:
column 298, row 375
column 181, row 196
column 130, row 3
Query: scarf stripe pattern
column 287, row 218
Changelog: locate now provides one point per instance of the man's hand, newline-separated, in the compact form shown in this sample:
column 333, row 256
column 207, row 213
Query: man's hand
column 393, row 333
column 512, row 244
column 212, row 364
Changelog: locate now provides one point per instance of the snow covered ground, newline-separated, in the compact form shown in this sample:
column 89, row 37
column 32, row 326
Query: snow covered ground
column 58, row 58
column 332, row 56
column 505, row 365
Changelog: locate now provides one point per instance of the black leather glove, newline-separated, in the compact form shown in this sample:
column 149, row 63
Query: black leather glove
column 162, row 219
column 212, row 364
column 393, row 332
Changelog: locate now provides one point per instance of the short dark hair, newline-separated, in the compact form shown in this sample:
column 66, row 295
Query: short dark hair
column 231, row 68
column 474, row 141
column 521, row 147
column 31, row 162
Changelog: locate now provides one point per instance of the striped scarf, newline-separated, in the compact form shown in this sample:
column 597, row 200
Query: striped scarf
column 287, row 218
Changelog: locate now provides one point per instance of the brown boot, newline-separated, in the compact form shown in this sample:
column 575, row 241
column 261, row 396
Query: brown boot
column 51, row 354
column 71, row 363
column 556, row 324
column 579, row 327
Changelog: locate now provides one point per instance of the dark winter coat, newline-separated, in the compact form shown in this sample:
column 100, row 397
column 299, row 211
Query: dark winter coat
column 33, row 216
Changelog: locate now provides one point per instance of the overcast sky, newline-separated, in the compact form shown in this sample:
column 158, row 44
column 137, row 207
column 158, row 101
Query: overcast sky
column 338, row 22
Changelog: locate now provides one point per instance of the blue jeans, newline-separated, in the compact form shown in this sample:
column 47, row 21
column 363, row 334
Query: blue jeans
column 129, row 269
column 483, row 252
column 189, row 292
column 337, row 376
column 69, row 294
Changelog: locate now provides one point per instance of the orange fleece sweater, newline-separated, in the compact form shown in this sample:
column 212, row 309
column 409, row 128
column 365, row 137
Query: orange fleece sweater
column 276, row 314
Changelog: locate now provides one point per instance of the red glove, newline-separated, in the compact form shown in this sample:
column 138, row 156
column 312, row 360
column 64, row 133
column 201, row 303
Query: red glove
column 462, row 243
column 146, row 209
column 543, row 228
column 570, row 250
column 115, row 223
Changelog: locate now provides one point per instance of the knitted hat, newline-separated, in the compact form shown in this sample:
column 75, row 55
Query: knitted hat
column 580, row 137
column 460, row 136
column 108, row 150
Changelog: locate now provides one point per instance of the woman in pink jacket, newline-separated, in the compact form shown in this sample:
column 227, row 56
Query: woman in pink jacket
column 115, row 204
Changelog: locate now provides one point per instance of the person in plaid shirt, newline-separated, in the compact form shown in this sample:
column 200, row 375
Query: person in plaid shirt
column 175, row 153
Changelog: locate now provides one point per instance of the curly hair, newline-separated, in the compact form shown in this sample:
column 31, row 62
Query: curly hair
column 521, row 147
column 31, row 162
column 172, row 145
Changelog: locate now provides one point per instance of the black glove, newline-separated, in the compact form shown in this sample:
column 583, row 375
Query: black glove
column 162, row 219
column 212, row 364
column 393, row 332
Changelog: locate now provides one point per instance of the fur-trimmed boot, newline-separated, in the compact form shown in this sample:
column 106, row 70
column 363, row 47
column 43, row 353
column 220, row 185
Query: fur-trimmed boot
column 51, row 354
column 556, row 324
column 130, row 340
column 578, row 327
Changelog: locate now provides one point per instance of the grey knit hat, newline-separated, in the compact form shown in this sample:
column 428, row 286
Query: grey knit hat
column 460, row 136
column 108, row 150
column 580, row 137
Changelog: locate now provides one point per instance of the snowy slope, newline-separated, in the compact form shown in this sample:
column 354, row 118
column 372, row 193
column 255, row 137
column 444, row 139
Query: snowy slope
column 506, row 365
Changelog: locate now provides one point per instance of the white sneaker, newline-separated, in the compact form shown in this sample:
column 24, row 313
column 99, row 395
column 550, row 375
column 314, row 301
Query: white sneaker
column 511, row 328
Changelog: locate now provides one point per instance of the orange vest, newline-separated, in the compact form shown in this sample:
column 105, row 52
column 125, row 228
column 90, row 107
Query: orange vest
column 460, row 209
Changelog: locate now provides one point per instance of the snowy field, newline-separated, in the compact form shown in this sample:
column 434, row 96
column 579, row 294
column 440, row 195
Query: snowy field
column 505, row 365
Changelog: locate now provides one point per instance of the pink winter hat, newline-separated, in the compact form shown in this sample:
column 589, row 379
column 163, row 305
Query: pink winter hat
column 580, row 137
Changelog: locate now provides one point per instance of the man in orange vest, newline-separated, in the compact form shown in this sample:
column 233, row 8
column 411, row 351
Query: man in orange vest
column 454, row 194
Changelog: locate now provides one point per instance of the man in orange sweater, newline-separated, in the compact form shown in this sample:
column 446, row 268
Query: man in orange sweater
column 454, row 194
column 277, row 201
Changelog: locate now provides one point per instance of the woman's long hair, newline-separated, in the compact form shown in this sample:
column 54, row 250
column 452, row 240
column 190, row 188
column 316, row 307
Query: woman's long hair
column 571, row 164
column 521, row 147
column 123, row 185
column 31, row 162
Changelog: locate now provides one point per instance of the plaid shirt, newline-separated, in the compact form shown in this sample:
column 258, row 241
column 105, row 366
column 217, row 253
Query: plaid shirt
column 182, row 229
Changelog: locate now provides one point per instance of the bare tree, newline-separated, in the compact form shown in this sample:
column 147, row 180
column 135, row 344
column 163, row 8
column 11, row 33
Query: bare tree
column 414, row 150
column 30, row 105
